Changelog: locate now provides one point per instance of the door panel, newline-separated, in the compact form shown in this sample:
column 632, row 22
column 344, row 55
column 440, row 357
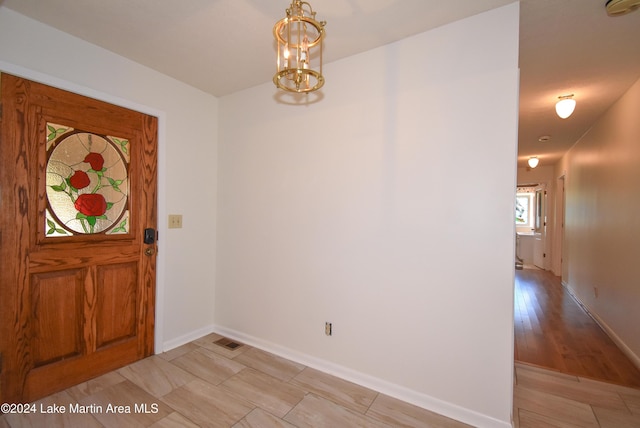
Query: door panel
column 77, row 282
column 56, row 305
column 117, row 299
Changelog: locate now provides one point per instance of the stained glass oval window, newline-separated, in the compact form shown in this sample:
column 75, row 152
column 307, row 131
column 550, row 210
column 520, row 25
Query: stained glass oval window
column 87, row 183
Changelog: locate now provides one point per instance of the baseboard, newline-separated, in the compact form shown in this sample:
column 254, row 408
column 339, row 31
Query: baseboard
column 635, row 359
column 396, row 391
column 189, row 337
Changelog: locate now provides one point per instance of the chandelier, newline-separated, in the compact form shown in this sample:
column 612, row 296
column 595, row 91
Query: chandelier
column 299, row 38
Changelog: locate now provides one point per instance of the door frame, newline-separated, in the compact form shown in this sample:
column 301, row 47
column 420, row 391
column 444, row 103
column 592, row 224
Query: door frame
column 162, row 211
column 540, row 247
column 560, row 232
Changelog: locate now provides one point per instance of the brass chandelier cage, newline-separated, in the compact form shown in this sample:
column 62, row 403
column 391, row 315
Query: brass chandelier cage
column 299, row 38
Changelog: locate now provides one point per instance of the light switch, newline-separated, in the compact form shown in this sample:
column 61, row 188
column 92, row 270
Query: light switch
column 175, row 221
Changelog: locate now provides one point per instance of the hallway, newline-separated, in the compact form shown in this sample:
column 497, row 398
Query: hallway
column 553, row 331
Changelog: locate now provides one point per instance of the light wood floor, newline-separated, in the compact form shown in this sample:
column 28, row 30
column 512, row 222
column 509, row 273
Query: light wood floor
column 568, row 371
column 204, row 384
column 546, row 398
column 553, row 331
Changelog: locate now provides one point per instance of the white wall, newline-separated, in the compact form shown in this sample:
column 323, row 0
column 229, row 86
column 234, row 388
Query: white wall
column 187, row 152
column 387, row 209
column 359, row 215
column 602, row 221
column 539, row 175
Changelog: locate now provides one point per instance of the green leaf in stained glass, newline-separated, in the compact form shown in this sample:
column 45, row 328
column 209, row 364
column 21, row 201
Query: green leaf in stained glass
column 59, row 188
column 122, row 227
column 54, row 132
column 115, row 183
column 53, row 229
column 122, row 144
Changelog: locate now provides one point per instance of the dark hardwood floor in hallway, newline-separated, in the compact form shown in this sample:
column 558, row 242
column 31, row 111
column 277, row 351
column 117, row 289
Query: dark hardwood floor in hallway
column 553, row 331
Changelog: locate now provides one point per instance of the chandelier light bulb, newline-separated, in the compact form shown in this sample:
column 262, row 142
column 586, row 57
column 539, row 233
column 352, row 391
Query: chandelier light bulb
column 565, row 106
column 533, row 161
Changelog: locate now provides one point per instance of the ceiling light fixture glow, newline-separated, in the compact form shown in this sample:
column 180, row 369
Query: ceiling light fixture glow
column 565, row 106
column 533, row 161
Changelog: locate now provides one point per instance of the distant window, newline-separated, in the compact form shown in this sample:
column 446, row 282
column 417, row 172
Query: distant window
column 524, row 205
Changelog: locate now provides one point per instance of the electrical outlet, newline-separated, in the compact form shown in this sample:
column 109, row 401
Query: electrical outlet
column 327, row 328
column 175, row 221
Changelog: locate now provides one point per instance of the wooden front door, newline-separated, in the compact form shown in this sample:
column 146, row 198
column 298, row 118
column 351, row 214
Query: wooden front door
column 77, row 273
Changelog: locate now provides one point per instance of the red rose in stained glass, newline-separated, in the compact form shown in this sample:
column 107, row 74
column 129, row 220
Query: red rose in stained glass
column 96, row 160
column 87, row 183
column 79, row 180
column 91, row 204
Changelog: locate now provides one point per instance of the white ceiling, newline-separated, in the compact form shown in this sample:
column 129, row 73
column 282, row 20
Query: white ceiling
column 222, row 46
column 571, row 47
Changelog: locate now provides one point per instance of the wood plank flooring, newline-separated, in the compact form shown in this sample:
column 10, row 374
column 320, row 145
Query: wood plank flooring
column 546, row 398
column 202, row 384
column 552, row 330
column 568, row 372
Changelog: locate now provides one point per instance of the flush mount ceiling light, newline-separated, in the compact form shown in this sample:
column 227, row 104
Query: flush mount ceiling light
column 621, row 7
column 565, row 105
column 533, row 161
column 299, row 37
